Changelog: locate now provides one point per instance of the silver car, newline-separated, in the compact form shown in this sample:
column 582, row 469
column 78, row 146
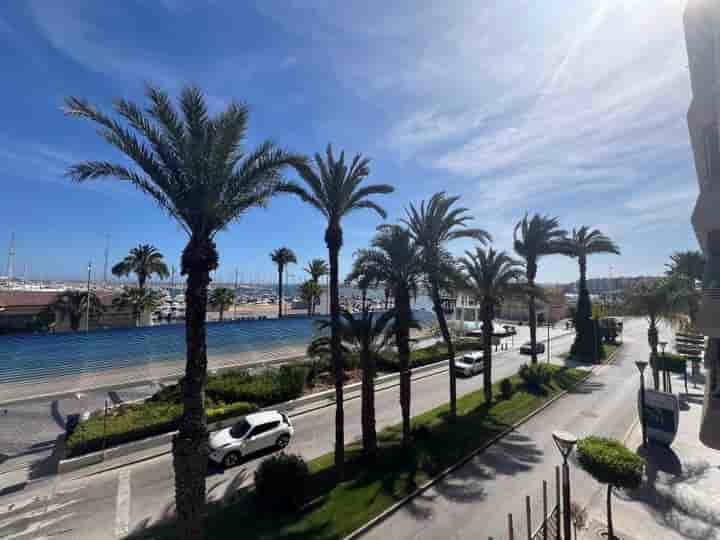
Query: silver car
column 255, row 432
column 470, row 364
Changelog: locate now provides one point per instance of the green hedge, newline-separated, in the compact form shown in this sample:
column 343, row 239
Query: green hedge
column 672, row 362
column 133, row 422
column 610, row 462
column 427, row 355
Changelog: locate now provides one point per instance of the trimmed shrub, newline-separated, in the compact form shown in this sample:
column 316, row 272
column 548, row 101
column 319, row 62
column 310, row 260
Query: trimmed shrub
column 506, row 388
column 281, row 481
column 133, row 422
column 535, row 377
column 675, row 363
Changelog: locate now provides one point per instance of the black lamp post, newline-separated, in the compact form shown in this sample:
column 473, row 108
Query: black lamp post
column 565, row 442
column 641, row 365
column 663, row 344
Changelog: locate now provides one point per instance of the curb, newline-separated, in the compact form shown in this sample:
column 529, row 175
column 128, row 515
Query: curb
column 357, row 533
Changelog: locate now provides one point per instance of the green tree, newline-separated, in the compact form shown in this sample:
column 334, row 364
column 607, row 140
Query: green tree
column 143, row 261
column 282, row 257
column 362, row 278
column 222, row 298
column 139, row 300
column 74, row 306
column 394, row 260
column 335, row 189
column 366, row 335
column 194, row 166
column 660, row 303
column 533, row 239
column 317, row 268
column 491, row 276
column 433, row 226
column 309, row 292
column 610, row 463
column 687, row 268
column 579, row 245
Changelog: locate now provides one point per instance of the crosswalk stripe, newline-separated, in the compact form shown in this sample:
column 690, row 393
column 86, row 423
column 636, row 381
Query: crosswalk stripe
column 122, row 513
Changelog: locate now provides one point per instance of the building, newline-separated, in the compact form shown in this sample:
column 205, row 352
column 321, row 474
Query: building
column 702, row 36
column 554, row 308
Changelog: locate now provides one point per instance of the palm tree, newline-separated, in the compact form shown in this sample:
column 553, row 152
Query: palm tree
column 223, row 298
column 394, row 260
column 579, row 245
column 367, row 335
column 432, row 227
column 309, row 291
column 143, row 261
column 362, row 278
column 334, row 189
column 688, row 267
column 317, row 268
column 282, row 257
column 139, row 299
column 74, row 306
column 492, row 276
column 193, row 165
column 533, row 239
column 660, row 303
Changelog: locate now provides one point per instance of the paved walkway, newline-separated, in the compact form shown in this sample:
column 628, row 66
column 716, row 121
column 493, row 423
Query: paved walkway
column 680, row 497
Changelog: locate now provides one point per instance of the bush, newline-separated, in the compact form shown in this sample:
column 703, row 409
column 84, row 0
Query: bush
column 280, row 482
column 675, row 363
column 506, row 388
column 610, row 462
column 129, row 423
column 536, row 377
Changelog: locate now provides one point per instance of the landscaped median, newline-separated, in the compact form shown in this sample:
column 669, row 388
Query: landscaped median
column 332, row 511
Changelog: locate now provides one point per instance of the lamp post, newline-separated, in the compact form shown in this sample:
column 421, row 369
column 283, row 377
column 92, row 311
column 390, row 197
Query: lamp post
column 663, row 344
column 641, row 365
column 565, row 442
column 87, row 300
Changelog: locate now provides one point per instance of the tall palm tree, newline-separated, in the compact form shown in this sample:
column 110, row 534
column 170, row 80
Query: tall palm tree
column 193, row 165
column 535, row 238
column 433, row 226
column 222, row 298
column 317, row 268
column 139, row 300
column 309, row 292
column 143, row 261
column 362, row 278
column 660, row 304
column 492, row 276
column 367, row 335
column 74, row 306
column 394, row 260
column 581, row 243
column 282, row 257
column 335, row 189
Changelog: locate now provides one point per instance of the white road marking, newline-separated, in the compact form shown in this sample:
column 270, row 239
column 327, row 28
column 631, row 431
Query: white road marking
column 122, row 512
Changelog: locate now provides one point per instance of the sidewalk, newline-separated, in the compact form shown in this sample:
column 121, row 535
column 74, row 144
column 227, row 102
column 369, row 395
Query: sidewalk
column 680, row 496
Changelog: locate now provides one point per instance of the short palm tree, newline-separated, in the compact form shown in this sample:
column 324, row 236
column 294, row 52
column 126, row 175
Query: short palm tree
column 660, row 303
column 581, row 243
column 362, row 278
column 193, row 165
column 309, row 292
column 222, row 298
column 491, row 276
column 74, row 306
column 139, row 300
column 394, row 261
column 336, row 189
column 433, row 226
column 535, row 238
column 143, row 261
column 282, row 257
column 366, row 335
column 317, row 268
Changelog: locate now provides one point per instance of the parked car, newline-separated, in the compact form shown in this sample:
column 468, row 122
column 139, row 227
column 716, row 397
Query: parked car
column 255, row 432
column 526, row 348
column 470, row 364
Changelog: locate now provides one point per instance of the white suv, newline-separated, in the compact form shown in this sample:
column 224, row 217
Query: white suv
column 253, row 433
column 470, row 364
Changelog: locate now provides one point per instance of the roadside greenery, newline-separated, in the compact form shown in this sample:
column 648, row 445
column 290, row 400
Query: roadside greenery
column 332, row 511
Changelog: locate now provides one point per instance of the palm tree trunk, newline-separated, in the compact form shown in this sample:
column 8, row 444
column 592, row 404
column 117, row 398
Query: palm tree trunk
column 487, row 331
column 333, row 239
column 402, row 337
column 190, row 445
column 142, row 278
column 369, row 436
column 363, row 292
column 442, row 323
column 582, row 262
column 532, row 316
column 280, row 291
column 222, row 313
column 608, row 502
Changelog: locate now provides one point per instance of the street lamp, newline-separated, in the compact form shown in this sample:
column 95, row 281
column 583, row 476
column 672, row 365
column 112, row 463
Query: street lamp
column 87, row 310
column 663, row 344
column 641, row 365
column 565, row 442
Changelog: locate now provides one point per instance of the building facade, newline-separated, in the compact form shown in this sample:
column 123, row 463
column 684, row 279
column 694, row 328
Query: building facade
column 553, row 308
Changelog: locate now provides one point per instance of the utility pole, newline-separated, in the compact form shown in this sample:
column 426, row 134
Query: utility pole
column 11, row 258
column 107, row 255
column 87, row 300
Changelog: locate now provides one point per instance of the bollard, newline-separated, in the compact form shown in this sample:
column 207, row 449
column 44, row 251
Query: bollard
column 558, row 526
column 511, row 531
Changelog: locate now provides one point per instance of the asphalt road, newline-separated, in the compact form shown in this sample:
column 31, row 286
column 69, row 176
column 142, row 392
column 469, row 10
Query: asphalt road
column 108, row 505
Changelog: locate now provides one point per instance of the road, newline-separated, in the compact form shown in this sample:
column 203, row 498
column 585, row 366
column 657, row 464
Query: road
column 108, row 505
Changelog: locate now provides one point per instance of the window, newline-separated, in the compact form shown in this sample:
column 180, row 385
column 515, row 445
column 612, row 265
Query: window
column 711, row 143
column 264, row 428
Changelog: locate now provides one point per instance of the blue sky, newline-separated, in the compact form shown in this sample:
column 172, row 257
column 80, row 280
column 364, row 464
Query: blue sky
column 575, row 109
